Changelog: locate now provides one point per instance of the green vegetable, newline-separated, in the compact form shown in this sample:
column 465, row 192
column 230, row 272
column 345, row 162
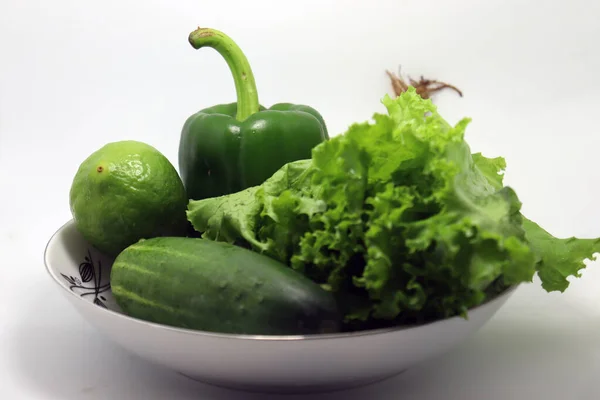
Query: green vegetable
column 126, row 191
column 229, row 147
column 557, row 259
column 211, row 286
column 398, row 219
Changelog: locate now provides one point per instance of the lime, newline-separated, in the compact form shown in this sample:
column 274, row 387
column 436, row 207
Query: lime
column 124, row 192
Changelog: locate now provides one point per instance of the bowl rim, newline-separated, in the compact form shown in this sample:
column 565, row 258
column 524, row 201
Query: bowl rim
column 317, row 336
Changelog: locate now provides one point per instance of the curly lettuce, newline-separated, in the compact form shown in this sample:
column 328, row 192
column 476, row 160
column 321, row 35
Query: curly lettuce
column 398, row 219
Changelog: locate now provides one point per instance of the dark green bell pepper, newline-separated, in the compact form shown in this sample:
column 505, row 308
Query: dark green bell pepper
column 229, row 147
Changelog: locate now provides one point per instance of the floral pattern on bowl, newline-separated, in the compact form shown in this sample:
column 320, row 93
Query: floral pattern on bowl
column 90, row 281
column 86, row 270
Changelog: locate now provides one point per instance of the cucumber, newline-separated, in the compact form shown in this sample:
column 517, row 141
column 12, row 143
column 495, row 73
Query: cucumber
column 214, row 286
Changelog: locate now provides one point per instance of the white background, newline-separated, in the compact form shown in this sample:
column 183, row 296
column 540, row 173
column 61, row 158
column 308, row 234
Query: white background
column 75, row 75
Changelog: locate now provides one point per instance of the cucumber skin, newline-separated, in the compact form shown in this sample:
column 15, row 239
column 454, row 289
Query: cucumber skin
column 218, row 287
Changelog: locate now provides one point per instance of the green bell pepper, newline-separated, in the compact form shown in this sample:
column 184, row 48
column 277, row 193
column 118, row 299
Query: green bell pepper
column 230, row 147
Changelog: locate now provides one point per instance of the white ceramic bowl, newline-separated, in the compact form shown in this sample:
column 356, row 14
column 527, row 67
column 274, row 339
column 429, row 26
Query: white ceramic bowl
column 257, row 363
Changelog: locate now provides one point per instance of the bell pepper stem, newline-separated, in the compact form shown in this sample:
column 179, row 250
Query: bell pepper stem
column 245, row 86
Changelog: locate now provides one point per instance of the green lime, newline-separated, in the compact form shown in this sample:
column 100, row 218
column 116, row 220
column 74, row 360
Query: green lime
column 124, row 192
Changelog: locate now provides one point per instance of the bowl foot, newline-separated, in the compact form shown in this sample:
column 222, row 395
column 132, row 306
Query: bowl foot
column 292, row 389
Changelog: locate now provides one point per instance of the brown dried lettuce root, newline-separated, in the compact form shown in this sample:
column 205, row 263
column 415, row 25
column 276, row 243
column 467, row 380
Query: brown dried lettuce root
column 424, row 87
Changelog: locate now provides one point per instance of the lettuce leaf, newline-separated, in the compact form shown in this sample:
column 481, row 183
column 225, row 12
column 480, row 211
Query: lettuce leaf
column 557, row 259
column 397, row 218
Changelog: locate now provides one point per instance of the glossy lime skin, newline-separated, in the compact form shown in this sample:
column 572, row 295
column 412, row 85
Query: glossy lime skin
column 219, row 155
column 126, row 191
